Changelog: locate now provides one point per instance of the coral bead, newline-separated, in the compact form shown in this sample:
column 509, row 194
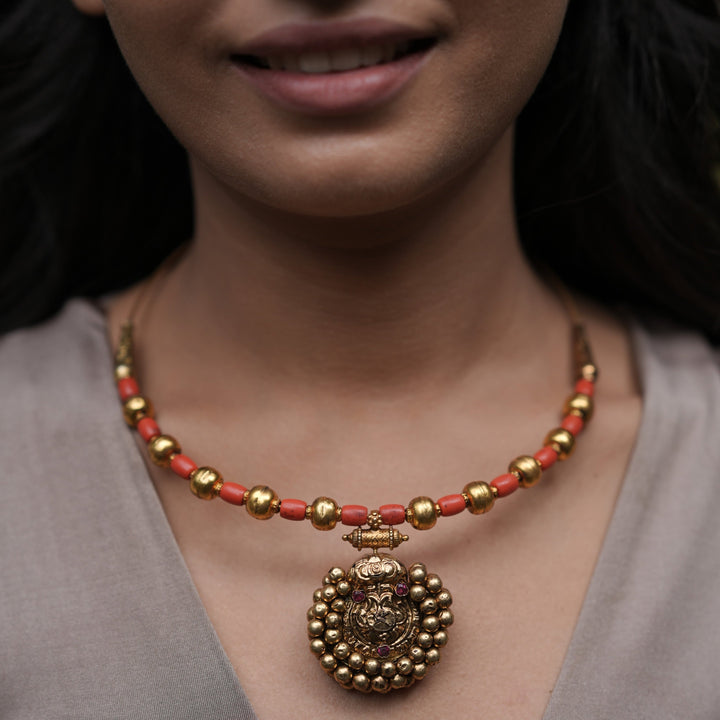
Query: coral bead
column 354, row 515
column 451, row 505
column 480, row 496
column 573, row 424
column 586, row 387
column 392, row 514
column 528, row 468
column 505, row 484
column 562, row 441
column 182, row 465
column 421, row 513
column 546, row 457
column 262, row 502
column 205, row 483
column 324, row 513
column 148, row 429
column 233, row 493
column 291, row 509
column 162, row 448
column 127, row 388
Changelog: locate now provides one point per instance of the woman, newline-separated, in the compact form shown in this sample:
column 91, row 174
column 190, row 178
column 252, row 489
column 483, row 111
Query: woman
column 355, row 317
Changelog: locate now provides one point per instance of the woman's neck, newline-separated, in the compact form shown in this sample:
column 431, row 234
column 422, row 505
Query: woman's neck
column 420, row 294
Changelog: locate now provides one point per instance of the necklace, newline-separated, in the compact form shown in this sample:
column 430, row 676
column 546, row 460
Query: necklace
column 379, row 625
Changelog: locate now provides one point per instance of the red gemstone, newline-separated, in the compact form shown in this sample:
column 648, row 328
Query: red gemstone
column 402, row 589
column 358, row 596
column 384, row 650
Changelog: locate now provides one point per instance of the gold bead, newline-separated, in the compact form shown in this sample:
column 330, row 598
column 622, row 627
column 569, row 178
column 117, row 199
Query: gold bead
column 123, row 371
column 432, row 656
column 440, row 638
column 433, row 583
column 372, row 666
column 444, row 599
column 339, row 605
column 262, row 502
column 332, row 636
column 343, row 675
column 398, row 681
column 380, row 684
column 317, row 647
column 417, row 592
column 417, row 654
column 361, row 682
column 589, row 372
column 446, row 618
column 421, row 514
column 319, row 610
column 387, row 669
column 136, row 408
column 431, row 623
column 417, row 573
column 561, row 441
column 579, row 404
column 316, row 628
column 333, row 620
column 419, row 671
column 205, row 482
column 336, row 574
column 328, row 661
column 428, row 606
column 162, row 448
column 329, row 593
column 343, row 587
column 404, row 666
column 480, row 497
column 341, row 650
column 355, row 661
column 425, row 640
column 317, row 595
column 528, row 469
column 324, row 513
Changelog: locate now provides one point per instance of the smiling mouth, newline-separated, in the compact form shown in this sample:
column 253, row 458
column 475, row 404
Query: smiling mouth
column 337, row 60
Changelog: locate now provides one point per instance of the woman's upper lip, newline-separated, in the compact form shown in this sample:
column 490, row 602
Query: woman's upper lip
column 330, row 35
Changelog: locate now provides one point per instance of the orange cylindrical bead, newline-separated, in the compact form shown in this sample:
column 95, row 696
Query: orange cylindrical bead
column 505, row 484
column 128, row 387
column 353, row 515
column 451, row 505
column 182, row 465
column 292, row 509
column 547, row 457
column 148, row 429
column 233, row 493
column 392, row 514
column 586, row 387
column 572, row 423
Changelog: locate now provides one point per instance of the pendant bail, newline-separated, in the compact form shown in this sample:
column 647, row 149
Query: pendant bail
column 375, row 538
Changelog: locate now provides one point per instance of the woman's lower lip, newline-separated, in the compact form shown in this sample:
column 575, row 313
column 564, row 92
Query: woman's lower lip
column 336, row 93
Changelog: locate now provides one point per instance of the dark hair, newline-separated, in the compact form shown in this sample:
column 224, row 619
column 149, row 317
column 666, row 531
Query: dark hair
column 616, row 161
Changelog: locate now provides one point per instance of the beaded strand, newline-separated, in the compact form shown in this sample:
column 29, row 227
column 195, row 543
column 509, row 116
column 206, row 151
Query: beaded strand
column 324, row 513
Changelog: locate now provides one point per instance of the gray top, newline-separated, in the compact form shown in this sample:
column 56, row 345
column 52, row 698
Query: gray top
column 99, row 617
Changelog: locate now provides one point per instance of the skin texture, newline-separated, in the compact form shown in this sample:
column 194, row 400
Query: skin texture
column 355, row 317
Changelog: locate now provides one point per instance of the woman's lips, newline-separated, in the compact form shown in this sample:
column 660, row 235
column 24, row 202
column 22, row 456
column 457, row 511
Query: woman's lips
column 334, row 68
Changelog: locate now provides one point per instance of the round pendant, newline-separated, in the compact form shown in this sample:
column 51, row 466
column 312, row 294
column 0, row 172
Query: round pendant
column 378, row 626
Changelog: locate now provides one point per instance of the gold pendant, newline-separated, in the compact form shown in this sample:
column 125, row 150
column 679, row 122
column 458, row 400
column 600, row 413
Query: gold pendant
column 378, row 626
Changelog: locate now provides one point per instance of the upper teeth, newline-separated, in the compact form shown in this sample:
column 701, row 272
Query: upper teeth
column 336, row 60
